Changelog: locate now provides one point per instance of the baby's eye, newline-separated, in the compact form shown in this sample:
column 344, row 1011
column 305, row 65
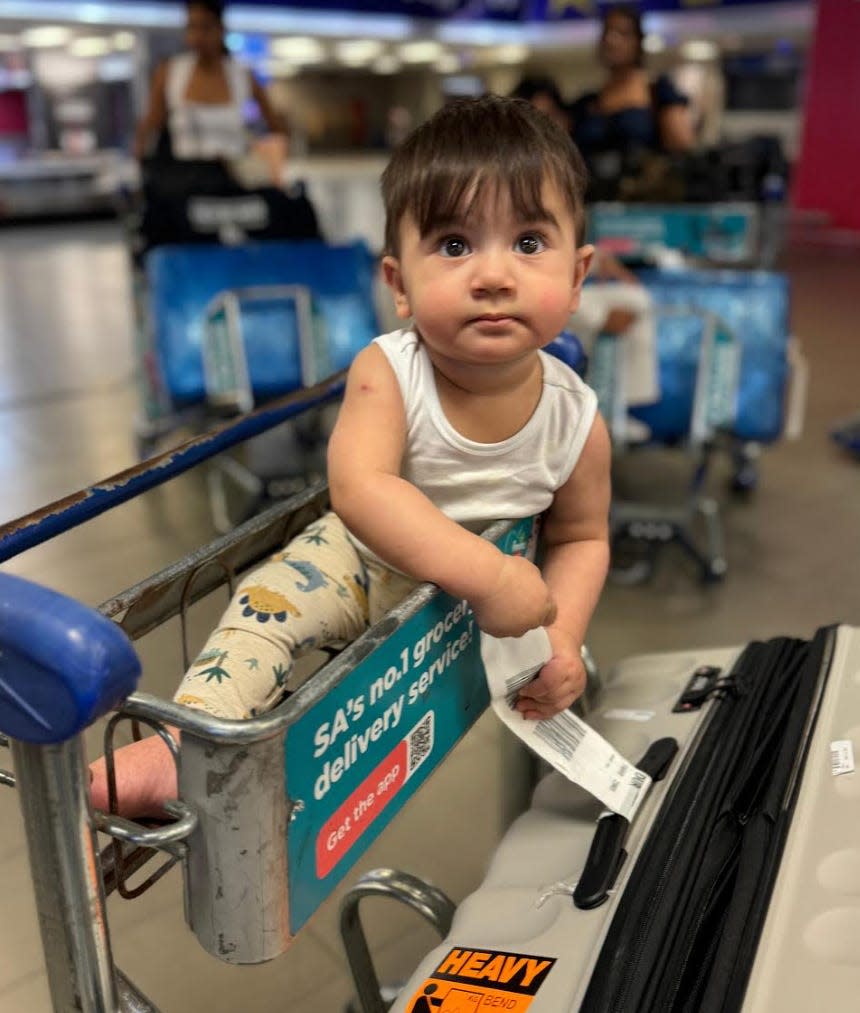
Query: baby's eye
column 454, row 246
column 530, row 243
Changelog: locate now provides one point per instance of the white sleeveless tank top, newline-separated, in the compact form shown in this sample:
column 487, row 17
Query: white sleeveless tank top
column 201, row 130
column 478, row 483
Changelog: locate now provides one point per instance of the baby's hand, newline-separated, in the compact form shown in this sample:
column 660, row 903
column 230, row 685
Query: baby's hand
column 559, row 682
column 518, row 602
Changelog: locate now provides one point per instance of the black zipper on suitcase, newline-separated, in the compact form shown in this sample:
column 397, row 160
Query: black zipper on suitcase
column 667, row 948
column 732, row 964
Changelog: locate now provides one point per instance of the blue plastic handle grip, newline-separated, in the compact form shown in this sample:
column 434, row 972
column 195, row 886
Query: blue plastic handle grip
column 62, row 664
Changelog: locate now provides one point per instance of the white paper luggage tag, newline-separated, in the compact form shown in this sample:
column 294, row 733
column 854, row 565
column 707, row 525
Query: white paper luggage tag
column 564, row 740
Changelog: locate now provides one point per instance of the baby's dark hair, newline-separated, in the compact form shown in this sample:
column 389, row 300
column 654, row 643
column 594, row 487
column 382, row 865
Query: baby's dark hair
column 441, row 169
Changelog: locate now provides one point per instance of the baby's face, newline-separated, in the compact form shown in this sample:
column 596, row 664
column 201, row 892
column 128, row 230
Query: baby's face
column 490, row 287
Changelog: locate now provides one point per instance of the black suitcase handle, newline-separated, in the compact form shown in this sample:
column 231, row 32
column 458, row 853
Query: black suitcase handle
column 606, row 854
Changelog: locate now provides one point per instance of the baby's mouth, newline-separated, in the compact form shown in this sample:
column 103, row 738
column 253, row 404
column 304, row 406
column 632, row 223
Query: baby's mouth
column 493, row 318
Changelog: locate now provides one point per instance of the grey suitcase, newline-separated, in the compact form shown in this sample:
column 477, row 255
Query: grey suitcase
column 657, row 937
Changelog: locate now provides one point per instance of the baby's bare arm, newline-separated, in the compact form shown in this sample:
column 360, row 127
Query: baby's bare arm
column 576, row 534
column 402, row 525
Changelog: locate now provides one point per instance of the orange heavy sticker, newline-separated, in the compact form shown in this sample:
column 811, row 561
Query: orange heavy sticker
column 472, row 981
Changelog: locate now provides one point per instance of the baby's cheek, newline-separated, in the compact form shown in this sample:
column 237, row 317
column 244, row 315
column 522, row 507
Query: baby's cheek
column 555, row 302
column 434, row 305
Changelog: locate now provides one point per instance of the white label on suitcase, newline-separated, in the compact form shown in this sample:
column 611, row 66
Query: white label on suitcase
column 841, row 757
column 565, row 741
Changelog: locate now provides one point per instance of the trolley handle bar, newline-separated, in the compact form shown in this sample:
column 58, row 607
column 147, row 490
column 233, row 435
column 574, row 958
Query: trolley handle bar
column 62, row 664
column 19, row 535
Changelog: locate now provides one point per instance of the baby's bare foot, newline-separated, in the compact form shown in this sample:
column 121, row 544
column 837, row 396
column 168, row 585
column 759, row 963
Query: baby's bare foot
column 145, row 779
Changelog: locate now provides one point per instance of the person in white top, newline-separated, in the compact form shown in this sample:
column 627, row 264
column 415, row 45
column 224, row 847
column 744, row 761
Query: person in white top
column 456, row 420
column 200, row 95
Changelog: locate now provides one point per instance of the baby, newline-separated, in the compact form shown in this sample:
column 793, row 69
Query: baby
column 454, row 421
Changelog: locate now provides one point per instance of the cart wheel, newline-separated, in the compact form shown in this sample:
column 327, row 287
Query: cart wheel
column 745, row 479
column 714, row 571
column 745, row 459
column 633, row 561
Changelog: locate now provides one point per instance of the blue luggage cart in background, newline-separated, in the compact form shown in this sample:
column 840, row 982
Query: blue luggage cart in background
column 224, row 328
column 731, row 376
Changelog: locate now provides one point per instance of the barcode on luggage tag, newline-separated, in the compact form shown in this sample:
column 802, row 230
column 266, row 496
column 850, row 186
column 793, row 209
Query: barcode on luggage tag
column 419, row 743
column 637, row 780
column 841, row 757
column 562, row 732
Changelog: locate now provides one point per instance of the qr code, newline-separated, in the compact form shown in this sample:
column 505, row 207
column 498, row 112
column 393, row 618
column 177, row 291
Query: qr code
column 419, row 743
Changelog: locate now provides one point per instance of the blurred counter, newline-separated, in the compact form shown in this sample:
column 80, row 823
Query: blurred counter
column 59, row 185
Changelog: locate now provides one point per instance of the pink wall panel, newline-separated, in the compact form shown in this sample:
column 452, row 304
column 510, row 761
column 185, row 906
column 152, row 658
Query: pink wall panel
column 827, row 176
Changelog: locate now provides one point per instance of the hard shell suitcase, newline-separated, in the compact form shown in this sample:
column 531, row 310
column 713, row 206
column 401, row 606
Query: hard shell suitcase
column 736, row 886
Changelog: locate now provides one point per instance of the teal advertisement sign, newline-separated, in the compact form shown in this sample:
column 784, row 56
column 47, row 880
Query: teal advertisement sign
column 723, row 234
column 357, row 756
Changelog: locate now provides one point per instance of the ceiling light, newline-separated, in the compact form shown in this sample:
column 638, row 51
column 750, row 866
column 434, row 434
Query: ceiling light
column 91, row 45
column 124, row 41
column 426, row 51
column 46, row 36
column 357, row 52
column 699, row 49
column 653, row 43
column 448, row 63
column 386, row 64
column 299, row 49
column 512, row 53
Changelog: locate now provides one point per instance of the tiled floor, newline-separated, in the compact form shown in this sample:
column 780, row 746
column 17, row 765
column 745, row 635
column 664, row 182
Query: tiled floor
column 67, row 404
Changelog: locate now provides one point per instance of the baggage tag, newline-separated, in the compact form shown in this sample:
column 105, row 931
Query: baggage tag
column 564, row 740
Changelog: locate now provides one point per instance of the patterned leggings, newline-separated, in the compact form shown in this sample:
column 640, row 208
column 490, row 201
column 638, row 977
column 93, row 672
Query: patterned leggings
column 317, row 591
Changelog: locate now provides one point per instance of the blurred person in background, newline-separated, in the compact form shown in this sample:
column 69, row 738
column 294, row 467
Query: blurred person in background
column 543, row 94
column 197, row 102
column 614, row 301
column 628, row 130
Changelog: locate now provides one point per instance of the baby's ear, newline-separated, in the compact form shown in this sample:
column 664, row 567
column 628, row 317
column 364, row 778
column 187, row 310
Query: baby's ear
column 394, row 280
column 584, row 257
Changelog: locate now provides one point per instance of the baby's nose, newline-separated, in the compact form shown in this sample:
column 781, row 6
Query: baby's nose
column 493, row 272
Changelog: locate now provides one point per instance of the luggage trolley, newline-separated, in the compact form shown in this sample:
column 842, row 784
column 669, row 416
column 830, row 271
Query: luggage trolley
column 209, row 256
column 732, row 378
column 329, row 767
column 229, row 327
column 731, row 234
column 183, row 205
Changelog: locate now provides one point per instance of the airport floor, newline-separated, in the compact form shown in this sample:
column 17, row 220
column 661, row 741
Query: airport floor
column 68, row 405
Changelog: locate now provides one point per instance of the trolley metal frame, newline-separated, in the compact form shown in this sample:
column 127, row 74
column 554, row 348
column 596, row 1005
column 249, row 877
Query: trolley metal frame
column 230, row 772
